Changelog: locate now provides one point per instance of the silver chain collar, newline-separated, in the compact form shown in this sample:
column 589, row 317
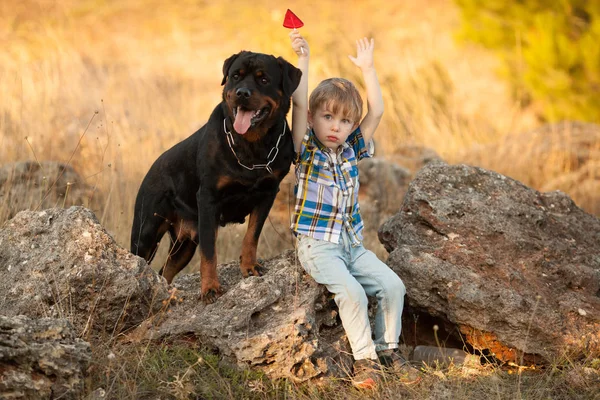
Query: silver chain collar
column 270, row 159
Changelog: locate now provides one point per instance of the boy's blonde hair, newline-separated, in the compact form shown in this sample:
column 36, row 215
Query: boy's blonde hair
column 337, row 94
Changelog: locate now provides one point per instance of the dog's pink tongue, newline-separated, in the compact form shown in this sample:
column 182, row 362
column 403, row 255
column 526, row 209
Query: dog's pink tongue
column 242, row 121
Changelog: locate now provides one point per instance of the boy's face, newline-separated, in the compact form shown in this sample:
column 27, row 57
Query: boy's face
column 331, row 129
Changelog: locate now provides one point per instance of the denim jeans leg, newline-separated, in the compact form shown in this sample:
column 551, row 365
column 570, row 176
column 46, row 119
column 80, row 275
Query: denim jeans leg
column 380, row 281
column 326, row 263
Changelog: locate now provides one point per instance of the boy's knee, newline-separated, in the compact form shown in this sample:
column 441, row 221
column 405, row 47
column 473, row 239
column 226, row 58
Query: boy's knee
column 356, row 294
column 400, row 288
column 395, row 287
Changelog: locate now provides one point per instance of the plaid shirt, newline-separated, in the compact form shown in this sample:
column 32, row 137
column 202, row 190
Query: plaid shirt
column 327, row 188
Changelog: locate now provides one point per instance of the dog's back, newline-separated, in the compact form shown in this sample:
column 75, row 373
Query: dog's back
column 167, row 192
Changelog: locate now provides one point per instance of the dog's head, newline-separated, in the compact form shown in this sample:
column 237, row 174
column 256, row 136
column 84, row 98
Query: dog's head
column 257, row 91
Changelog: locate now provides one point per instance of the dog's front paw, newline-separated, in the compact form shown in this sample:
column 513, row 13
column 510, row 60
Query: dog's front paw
column 255, row 269
column 210, row 295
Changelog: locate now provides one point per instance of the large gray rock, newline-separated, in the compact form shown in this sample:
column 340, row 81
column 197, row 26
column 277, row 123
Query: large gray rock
column 282, row 323
column 41, row 359
column 515, row 269
column 61, row 263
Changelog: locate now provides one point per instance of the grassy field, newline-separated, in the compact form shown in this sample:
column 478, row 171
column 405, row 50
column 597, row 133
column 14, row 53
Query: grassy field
column 107, row 86
column 144, row 75
column 184, row 371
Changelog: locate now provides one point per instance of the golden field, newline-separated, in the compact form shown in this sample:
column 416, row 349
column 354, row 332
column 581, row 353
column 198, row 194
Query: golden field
column 107, row 86
column 146, row 74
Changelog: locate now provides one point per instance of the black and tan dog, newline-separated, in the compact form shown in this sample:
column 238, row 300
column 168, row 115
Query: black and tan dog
column 228, row 169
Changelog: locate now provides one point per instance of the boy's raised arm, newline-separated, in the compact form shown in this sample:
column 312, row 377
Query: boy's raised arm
column 300, row 96
column 364, row 60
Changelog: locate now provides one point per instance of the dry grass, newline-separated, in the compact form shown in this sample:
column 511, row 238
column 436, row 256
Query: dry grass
column 182, row 370
column 107, row 86
column 144, row 75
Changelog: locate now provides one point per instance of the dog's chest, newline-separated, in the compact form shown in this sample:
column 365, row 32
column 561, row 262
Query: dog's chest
column 238, row 199
column 239, row 192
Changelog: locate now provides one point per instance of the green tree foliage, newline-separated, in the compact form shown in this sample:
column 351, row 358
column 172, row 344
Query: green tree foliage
column 550, row 51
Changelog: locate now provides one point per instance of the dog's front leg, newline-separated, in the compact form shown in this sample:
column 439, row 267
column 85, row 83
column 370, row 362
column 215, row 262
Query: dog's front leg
column 258, row 216
column 207, row 230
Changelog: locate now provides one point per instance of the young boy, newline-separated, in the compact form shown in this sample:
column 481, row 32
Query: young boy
column 329, row 140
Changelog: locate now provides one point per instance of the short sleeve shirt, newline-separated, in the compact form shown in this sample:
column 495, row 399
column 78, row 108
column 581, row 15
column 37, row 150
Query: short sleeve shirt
column 326, row 188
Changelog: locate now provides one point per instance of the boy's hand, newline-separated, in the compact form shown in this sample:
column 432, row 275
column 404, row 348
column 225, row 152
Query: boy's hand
column 299, row 44
column 364, row 53
column 364, row 60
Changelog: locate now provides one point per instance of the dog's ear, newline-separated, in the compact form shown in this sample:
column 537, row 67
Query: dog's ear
column 291, row 77
column 227, row 65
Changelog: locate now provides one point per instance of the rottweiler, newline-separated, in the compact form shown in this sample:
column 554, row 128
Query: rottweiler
column 230, row 168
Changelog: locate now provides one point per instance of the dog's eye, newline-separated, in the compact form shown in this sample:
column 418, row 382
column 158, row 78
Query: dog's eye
column 263, row 80
column 236, row 76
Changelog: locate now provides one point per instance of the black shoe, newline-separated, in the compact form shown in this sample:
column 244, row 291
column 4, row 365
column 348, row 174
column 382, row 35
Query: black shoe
column 395, row 363
column 367, row 374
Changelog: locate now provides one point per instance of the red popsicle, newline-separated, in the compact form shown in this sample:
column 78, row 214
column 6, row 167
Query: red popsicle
column 291, row 21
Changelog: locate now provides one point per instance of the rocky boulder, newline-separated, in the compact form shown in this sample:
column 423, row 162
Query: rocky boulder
column 41, row 359
column 516, row 270
column 61, row 263
column 282, row 323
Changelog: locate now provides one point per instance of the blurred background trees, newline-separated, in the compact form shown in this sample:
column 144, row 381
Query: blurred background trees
column 550, row 51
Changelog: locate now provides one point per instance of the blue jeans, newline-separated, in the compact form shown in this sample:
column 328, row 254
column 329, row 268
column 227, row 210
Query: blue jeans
column 352, row 273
